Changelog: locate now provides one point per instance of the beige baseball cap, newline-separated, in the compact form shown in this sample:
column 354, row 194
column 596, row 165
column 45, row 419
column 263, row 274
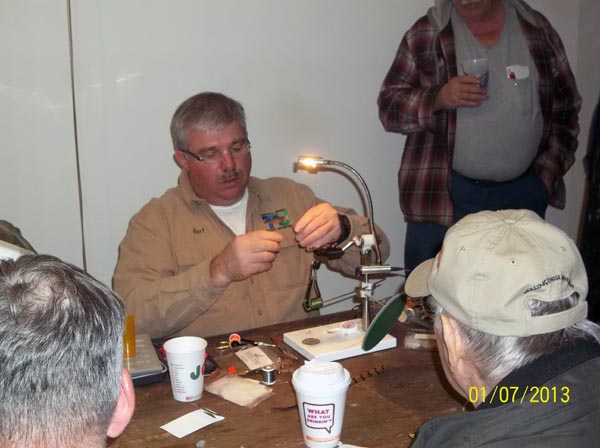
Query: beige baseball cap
column 492, row 263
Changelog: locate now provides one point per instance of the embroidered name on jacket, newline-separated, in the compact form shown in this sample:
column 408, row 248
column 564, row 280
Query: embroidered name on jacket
column 279, row 219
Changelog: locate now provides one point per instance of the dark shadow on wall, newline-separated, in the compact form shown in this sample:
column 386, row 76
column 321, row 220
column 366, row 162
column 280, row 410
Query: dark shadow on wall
column 590, row 235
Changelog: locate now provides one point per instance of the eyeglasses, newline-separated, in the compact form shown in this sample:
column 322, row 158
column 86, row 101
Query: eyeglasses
column 214, row 155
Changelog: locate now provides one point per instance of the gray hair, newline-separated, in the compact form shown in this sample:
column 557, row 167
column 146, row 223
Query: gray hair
column 61, row 349
column 497, row 356
column 207, row 112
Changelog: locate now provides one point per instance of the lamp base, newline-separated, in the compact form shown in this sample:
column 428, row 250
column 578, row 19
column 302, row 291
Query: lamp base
column 334, row 341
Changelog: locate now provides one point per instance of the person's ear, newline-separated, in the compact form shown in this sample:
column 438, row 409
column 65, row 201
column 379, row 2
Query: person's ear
column 452, row 339
column 181, row 160
column 124, row 408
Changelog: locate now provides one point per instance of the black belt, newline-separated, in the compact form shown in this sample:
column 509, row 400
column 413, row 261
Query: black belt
column 489, row 183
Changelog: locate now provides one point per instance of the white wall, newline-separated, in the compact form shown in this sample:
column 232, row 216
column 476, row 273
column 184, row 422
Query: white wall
column 38, row 172
column 307, row 71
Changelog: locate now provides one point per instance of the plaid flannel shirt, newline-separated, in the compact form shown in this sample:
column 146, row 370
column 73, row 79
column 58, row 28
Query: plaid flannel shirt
column 425, row 61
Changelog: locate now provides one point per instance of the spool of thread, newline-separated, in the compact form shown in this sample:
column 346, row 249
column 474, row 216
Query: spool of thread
column 268, row 375
column 407, row 315
column 234, row 340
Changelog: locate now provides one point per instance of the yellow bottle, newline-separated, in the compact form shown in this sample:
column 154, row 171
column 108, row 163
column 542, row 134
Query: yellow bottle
column 129, row 336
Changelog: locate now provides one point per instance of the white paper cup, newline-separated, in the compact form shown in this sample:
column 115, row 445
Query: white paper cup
column 478, row 68
column 321, row 389
column 185, row 356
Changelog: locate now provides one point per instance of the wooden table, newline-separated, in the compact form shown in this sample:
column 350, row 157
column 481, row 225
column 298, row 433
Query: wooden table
column 382, row 409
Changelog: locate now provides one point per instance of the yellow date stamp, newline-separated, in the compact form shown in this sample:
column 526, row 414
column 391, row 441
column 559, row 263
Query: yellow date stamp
column 520, row 394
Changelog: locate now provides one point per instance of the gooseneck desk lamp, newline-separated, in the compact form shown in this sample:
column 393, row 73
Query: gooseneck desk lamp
column 343, row 340
column 314, row 164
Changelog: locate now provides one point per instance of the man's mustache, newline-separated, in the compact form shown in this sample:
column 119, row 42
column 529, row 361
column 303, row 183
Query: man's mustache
column 228, row 176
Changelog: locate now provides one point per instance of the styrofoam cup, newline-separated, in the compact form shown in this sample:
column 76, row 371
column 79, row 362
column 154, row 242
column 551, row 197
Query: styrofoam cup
column 321, row 389
column 185, row 356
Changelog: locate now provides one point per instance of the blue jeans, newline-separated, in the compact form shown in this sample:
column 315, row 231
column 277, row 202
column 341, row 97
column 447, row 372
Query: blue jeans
column 424, row 239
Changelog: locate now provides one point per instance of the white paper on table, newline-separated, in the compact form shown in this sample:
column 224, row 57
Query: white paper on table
column 188, row 423
column 254, row 358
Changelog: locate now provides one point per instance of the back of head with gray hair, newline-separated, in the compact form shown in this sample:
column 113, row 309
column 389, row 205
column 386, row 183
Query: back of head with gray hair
column 496, row 356
column 60, row 354
column 207, row 112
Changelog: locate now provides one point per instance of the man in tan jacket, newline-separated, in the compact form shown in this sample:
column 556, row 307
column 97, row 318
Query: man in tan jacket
column 223, row 251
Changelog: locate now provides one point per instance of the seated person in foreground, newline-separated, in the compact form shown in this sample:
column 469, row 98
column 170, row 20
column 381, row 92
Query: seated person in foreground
column 509, row 293
column 224, row 251
column 62, row 384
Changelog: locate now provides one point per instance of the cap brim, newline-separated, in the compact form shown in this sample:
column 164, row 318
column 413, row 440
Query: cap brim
column 416, row 283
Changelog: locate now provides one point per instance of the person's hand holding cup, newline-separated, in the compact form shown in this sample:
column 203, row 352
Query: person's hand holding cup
column 477, row 68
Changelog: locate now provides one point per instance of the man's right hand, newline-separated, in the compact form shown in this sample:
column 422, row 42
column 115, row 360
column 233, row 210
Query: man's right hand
column 245, row 256
column 461, row 91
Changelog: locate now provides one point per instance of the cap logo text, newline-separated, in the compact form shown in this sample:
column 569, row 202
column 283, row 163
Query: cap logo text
column 547, row 281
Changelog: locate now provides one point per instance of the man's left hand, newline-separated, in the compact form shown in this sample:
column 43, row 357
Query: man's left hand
column 318, row 226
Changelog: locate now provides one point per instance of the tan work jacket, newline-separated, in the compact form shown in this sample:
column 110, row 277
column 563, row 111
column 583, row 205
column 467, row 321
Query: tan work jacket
column 163, row 267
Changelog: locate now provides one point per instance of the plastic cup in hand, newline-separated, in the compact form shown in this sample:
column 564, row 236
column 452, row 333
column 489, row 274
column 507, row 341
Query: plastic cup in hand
column 321, row 389
column 185, row 356
column 478, row 68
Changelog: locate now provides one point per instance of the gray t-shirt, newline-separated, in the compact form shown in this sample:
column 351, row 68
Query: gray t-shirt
column 499, row 139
